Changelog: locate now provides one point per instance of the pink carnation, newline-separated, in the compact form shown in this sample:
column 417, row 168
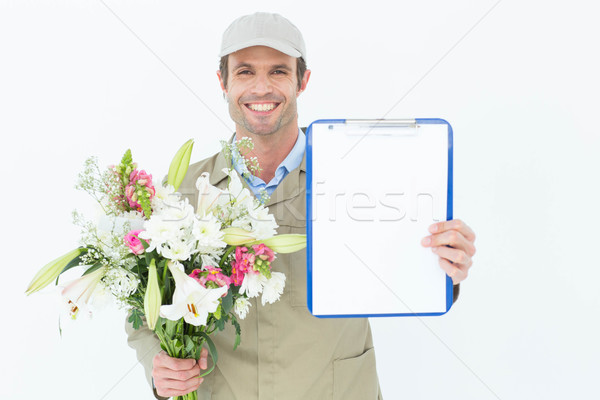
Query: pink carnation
column 133, row 242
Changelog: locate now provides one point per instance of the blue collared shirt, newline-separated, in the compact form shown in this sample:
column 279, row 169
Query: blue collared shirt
column 291, row 162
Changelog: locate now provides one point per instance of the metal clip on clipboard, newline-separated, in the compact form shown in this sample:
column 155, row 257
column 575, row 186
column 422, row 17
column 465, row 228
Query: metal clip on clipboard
column 377, row 127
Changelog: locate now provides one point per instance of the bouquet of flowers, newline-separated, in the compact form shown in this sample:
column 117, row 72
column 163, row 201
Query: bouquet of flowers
column 187, row 272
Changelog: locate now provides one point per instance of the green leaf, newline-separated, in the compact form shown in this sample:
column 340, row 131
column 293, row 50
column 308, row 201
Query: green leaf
column 220, row 324
column 145, row 244
column 212, row 351
column 73, row 263
column 135, row 317
column 178, row 346
column 227, row 302
column 170, row 327
column 93, row 268
column 238, row 333
column 189, row 345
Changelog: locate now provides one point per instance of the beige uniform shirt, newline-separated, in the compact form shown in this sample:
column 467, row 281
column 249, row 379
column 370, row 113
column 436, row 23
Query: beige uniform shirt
column 286, row 353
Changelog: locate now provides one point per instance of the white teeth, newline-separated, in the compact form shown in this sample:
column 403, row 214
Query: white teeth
column 262, row 107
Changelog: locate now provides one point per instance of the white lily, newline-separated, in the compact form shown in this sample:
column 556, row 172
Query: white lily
column 207, row 194
column 78, row 292
column 191, row 301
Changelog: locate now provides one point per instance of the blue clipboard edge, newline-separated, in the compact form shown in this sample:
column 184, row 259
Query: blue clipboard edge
column 449, row 208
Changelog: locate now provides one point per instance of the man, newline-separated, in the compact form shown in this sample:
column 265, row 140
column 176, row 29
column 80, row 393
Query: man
column 286, row 353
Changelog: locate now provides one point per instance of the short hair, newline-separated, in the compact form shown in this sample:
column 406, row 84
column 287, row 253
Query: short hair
column 224, row 65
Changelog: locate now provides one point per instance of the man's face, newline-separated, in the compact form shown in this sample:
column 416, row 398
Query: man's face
column 262, row 89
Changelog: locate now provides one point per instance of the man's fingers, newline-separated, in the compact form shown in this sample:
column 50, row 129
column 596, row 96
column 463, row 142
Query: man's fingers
column 454, row 224
column 456, row 273
column 162, row 359
column 453, row 255
column 450, row 238
column 177, row 375
column 203, row 362
column 171, row 388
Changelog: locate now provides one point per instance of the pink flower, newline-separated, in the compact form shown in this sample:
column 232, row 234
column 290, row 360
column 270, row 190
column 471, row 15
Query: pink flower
column 211, row 274
column 138, row 180
column 243, row 264
column 237, row 276
column 140, row 177
column 263, row 252
column 133, row 242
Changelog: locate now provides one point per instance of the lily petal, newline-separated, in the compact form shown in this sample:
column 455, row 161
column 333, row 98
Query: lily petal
column 51, row 271
column 190, row 300
column 237, row 236
column 207, row 194
column 286, row 243
column 152, row 298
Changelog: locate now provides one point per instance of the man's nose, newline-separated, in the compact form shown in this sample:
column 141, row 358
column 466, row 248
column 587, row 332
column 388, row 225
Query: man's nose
column 262, row 85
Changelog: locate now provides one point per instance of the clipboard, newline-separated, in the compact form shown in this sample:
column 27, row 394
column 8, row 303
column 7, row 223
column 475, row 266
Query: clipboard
column 373, row 187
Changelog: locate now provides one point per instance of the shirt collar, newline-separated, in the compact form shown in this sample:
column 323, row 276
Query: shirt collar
column 294, row 157
column 291, row 161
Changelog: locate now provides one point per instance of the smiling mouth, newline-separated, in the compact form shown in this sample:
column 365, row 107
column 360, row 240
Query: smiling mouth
column 261, row 107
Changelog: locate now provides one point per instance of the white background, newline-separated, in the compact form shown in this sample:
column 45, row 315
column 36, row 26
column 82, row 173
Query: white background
column 517, row 80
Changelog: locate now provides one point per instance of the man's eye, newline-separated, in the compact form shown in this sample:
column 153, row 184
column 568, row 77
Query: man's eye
column 244, row 72
column 279, row 72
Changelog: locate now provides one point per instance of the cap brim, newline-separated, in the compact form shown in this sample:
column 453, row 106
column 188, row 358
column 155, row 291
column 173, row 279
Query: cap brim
column 274, row 44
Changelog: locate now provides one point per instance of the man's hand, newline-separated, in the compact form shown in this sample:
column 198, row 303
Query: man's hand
column 453, row 242
column 176, row 376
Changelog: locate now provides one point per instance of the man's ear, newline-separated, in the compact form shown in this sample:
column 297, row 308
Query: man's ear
column 223, row 88
column 304, row 82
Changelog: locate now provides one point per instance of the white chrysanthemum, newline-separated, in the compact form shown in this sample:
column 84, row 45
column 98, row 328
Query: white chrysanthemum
column 252, row 285
column 241, row 307
column 158, row 232
column 121, row 283
column 273, row 288
column 263, row 223
column 163, row 192
column 209, row 260
column 244, row 223
column 177, row 250
column 180, row 215
column 165, row 197
column 208, row 233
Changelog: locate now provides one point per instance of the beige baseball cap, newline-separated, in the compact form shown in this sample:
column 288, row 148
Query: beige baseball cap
column 263, row 29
